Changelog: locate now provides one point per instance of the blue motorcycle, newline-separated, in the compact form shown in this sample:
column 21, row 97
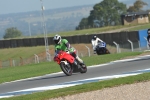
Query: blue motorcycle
column 101, row 48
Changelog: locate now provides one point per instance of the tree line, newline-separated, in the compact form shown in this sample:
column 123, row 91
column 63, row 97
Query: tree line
column 107, row 13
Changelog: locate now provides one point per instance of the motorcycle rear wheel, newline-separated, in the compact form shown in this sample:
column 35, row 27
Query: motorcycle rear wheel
column 67, row 69
column 107, row 51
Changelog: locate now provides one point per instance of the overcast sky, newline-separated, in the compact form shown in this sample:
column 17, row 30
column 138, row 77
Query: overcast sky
column 15, row 6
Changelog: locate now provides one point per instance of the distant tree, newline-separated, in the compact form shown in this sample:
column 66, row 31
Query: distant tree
column 83, row 23
column 148, row 14
column 137, row 6
column 12, row 33
column 105, row 13
column 131, row 9
column 149, row 17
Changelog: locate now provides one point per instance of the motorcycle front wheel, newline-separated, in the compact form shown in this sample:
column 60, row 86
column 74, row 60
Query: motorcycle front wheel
column 66, row 68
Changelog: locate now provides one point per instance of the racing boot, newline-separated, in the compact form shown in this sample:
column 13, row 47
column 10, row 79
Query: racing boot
column 81, row 66
column 80, row 60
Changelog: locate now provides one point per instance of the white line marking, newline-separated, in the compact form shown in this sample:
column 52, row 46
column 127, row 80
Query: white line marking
column 34, row 77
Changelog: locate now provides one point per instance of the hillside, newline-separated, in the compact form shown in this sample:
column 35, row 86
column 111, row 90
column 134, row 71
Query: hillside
column 61, row 19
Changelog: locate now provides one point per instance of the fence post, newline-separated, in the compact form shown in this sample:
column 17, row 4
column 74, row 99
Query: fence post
column 139, row 45
column 0, row 64
column 119, row 50
column 36, row 58
column 13, row 62
column 81, row 55
column 49, row 56
column 117, row 46
column 10, row 62
column 147, row 42
column 88, row 50
column 21, row 61
column 77, row 52
column 131, row 44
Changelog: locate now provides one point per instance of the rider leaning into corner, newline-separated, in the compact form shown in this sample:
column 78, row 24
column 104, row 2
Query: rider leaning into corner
column 64, row 45
column 148, row 37
column 94, row 42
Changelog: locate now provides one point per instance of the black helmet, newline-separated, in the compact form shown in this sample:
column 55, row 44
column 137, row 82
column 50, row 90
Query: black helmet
column 94, row 37
column 148, row 31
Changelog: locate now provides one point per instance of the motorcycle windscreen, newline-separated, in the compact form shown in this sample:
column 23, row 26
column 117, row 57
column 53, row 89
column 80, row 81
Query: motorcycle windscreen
column 102, row 44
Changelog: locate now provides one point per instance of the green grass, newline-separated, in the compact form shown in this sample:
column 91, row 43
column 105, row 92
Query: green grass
column 107, row 58
column 24, row 52
column 96, row 30
column 91, row 31
column 102, row 29
column 146, row 26
column 32, row 70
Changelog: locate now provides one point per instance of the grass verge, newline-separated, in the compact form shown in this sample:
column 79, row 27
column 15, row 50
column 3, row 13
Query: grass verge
column 16, row 53
column 144, row 27
column 96, row 30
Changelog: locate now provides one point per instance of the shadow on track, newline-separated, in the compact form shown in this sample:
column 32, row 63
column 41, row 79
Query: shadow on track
column 50, row 77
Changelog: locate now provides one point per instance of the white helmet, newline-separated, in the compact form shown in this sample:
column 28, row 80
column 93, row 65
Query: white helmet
column 57, row 39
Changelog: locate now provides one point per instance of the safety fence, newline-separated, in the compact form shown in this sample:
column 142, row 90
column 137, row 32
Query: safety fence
column 87, row 52
column 119, row 37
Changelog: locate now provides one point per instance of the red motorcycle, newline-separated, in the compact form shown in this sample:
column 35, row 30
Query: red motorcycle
column 69, row 64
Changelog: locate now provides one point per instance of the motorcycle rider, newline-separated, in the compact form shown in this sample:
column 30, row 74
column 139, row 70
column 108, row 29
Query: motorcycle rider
column 94, row 42
column 148, row 37
column 64, row 45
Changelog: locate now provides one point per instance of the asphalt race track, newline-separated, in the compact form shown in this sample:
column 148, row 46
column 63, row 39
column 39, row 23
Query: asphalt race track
column 120, row 68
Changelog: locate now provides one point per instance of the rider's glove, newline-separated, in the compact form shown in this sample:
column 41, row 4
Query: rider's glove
column 94, row 51
column 67, row 51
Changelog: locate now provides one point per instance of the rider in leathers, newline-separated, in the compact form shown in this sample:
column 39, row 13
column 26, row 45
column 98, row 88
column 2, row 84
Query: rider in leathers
column 64, row 45
column 148, row 37
column 95, row 41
